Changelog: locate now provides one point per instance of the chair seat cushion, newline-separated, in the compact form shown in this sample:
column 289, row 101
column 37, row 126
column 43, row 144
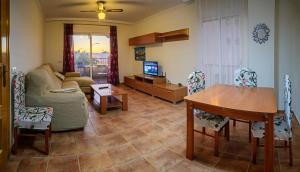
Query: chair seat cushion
column 214, row 122
column 35, row 118
column 82, row 81
column 281, row 131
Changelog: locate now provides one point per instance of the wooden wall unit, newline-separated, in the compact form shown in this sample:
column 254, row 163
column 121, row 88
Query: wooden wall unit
column 156, row 86
column 151, row 38
column 154, row 38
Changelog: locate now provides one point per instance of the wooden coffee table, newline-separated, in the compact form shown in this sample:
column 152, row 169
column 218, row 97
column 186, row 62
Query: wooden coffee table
column 108, row 97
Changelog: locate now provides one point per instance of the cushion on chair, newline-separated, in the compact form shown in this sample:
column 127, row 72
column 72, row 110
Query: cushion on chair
column 245, row 77
column 214, row 122
column 281, row 131
column 196, row 82
column 34, row 118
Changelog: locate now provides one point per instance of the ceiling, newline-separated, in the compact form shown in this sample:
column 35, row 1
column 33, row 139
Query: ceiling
column 134, row 10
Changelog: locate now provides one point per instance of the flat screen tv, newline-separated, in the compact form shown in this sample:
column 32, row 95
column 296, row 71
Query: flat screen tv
column 150, row 68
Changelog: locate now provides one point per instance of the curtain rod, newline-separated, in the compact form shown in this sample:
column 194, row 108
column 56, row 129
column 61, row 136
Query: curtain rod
column 90, row 24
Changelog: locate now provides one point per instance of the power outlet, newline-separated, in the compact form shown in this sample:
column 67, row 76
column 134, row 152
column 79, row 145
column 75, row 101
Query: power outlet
column 14, row 69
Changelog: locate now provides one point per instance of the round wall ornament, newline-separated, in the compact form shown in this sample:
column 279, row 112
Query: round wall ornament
column 261, row 33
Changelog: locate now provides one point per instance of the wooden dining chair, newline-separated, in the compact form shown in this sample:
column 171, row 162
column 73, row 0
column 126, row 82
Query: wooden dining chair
column 245, row 77
column 33, row 119
column 282, row 125
column 196, row 83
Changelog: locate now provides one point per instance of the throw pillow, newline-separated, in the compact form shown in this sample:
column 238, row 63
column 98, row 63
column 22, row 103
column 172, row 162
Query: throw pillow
column 59, row 75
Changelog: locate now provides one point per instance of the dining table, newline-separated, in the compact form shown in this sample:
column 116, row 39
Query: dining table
column 246, row 103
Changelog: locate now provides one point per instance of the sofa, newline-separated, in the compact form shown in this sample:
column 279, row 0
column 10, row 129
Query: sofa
column 83, row 81
column 70, row 108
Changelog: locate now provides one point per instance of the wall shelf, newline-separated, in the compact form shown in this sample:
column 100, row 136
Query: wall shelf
column 154, row 38
column 176, row 35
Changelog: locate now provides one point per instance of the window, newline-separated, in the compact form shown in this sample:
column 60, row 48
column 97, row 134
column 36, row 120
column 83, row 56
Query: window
column 91, row 56
column 223, row 39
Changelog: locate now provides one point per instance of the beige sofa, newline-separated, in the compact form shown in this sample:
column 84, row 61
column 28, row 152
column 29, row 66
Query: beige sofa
column 70, row 109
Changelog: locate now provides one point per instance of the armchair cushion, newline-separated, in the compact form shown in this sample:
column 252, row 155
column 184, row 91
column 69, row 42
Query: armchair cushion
column 34, row 118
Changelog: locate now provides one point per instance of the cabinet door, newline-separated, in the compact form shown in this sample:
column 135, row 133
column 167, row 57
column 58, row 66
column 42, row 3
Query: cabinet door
column 164, row 94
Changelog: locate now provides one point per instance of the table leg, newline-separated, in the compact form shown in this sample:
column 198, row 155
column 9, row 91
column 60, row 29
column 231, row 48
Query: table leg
column 269, row 144
column 124, row 102
column 103, row 104
column 190, row 132
column 92, row 95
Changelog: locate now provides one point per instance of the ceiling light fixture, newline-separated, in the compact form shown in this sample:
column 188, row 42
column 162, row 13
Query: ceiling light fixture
column 101, row 15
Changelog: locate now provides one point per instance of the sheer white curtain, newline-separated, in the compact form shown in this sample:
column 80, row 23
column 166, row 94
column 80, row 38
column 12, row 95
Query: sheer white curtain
column 223, row 39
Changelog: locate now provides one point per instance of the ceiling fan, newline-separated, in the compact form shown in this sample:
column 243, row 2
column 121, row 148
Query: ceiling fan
column 102, row 10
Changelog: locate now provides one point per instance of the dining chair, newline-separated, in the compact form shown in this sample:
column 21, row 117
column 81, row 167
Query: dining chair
column 282, row 125
column 245, row 77
column 196, row 83
column 37, row 119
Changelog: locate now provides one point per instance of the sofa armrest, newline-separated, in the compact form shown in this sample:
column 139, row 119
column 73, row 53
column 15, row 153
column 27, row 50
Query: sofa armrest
column 72, row 74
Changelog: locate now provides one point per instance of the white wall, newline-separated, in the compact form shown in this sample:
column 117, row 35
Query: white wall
column 261, row 56
column 26, row 34
column 179, row 58
column 54, row 33
column 288, row 51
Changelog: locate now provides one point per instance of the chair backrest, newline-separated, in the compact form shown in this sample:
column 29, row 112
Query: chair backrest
column 245, row 77
column 196, row 82
column 18, row 85
column 288, row 101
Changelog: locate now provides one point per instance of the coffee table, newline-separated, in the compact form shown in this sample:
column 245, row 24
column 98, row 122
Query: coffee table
column 108, row 99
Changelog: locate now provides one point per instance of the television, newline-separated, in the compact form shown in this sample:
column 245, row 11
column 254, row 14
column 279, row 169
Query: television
column 151, row 68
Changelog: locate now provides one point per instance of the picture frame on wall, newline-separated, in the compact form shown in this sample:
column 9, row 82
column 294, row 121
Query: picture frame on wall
column 140, row 53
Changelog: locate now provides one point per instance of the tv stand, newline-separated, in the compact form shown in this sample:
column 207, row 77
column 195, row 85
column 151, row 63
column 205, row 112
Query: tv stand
column 156, row 86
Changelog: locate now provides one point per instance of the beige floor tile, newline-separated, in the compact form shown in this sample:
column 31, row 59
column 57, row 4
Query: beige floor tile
column 95, row 161
column 123, row 153
column 33, row 165
column 63, row 164
column 133, row 134
column 137, row 165
column 147, row 144
column 62, row 148
column 164, row 159
column 89, row 146
column 189, row 166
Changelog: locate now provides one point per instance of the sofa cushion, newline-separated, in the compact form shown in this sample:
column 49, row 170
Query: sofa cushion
column 60, row 76
column 38, row 82
column 55, row 81
column 82, row 81
column 70, row 84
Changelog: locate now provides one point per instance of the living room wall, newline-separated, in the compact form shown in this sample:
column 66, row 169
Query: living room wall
column 54, row 32
column 179, row 58
column 287, row 50
column 26, row 35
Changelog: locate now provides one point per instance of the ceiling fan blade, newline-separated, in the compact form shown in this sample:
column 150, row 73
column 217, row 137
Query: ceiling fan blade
column 114, row 10
column 89, row 11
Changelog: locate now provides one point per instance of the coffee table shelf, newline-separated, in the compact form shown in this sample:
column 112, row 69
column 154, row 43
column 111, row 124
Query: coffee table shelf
column 109, row 97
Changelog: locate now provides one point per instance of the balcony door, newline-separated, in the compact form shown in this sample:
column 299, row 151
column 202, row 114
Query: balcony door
column 91, row 56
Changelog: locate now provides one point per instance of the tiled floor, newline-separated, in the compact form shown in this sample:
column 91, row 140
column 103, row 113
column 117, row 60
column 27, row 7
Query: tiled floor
column 148, row 137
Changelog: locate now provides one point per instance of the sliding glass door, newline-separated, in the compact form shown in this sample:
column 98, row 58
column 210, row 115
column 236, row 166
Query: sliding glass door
column 92, row 55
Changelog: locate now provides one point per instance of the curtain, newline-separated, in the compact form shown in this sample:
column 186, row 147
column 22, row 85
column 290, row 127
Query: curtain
column 113, row 70
column 68, row 61
column 223, row 39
